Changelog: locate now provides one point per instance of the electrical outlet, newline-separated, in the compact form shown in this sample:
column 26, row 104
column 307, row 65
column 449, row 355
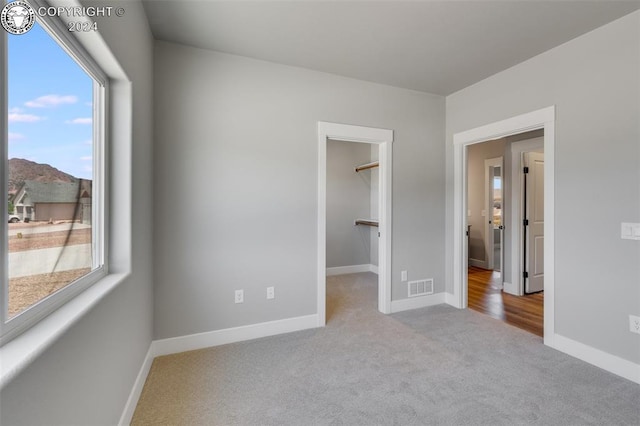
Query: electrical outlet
column 239, row 296
column 634, row 324
column 271, row 293
column 403, row 276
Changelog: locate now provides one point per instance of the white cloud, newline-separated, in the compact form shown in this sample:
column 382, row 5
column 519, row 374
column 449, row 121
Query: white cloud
column 16, row 117
column 15, row 110
column 80, row 121
column 49, row 101
column 15, row 136
column 86, row 158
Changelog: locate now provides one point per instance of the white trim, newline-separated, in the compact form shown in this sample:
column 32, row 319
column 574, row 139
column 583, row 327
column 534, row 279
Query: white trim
column 543, row 118
column 510, row 288
column 136, row 391
column 418, row 302
column 208, row 339
column 451, row 300
column 383, row 138
column 611, row 363
column 351, row 269
column 478, row 263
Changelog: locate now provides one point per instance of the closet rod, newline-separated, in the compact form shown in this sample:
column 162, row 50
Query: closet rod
column 367, row 166
column 366, row 222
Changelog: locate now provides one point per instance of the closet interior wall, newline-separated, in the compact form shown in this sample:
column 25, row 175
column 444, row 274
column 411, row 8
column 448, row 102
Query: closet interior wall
column 351, row 195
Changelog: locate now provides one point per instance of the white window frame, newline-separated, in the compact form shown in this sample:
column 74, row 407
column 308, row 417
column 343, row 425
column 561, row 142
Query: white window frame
column 11, row 327
column 23, row 349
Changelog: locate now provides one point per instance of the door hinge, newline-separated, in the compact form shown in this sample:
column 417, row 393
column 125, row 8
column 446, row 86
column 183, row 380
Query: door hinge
column 525, row 222
column 525, row 275
column 525, row 170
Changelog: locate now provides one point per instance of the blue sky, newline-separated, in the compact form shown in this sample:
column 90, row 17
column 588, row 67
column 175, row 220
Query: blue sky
column 50, row 104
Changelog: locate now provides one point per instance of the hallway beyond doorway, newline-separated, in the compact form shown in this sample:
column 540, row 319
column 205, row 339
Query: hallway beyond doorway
column 525, row 312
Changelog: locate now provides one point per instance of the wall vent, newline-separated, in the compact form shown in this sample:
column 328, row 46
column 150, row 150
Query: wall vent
column 420, row 287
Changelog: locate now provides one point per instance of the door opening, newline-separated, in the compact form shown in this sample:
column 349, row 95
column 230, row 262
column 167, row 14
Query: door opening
column 352, row 222
column 485, row 289
column 382, row 138
column 463, row 244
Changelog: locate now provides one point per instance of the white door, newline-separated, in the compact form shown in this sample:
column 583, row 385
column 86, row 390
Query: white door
column 534, row 222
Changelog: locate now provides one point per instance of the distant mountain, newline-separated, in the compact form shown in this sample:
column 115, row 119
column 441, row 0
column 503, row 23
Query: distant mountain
column 21, row 170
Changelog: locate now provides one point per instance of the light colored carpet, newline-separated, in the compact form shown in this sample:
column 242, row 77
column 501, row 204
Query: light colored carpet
column 437, row 365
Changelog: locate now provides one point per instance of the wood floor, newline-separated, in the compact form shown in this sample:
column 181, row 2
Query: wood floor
column 525, row 312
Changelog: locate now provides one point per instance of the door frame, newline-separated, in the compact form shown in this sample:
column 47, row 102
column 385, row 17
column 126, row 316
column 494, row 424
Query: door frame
column 539, row 119
column 384, row 139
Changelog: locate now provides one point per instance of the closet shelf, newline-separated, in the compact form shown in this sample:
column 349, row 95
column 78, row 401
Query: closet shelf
column 367, row 222
column 367, row 166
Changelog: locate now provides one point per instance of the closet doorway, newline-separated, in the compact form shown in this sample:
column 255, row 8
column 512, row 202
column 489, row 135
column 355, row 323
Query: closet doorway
column 376, row 171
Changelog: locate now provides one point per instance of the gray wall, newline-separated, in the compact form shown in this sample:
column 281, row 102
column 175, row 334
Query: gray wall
column 348, row 198
column 594, row 82
column 476, row 155
column 237, row 144
column 86, row 376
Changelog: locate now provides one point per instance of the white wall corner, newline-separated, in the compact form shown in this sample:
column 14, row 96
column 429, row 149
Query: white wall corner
column 611, row 363
column 136, row 391
column 417, row 302
column 373, row 268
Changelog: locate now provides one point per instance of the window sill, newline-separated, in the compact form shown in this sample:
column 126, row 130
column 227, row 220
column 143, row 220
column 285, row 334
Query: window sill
column 17, row 354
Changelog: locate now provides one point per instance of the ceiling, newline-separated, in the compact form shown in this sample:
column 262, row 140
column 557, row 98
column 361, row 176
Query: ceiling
column 438, row 47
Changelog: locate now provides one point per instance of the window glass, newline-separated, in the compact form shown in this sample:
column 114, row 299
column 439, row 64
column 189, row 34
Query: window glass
column 50, row 169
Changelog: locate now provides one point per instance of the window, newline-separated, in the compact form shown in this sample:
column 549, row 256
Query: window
column 53, row 156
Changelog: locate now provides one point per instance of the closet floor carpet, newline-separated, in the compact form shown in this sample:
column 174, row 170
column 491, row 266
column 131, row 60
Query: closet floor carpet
column 436, row 365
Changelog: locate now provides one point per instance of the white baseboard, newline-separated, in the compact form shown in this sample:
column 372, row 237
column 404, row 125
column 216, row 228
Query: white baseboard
column 230, row 335
column 136, row 391
column 478, row 263
column 511, row 288
column 611, row 363
column 352, row 269
column 449, row 299
column 417, row 302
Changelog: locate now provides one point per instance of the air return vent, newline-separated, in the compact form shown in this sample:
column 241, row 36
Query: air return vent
column 420, row 287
